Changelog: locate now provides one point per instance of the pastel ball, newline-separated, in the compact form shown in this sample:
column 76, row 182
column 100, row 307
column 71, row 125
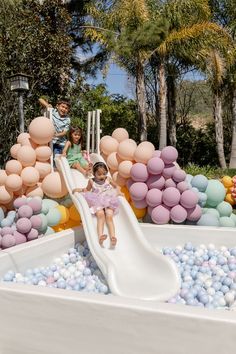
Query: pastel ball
column 6, row 222
column 200, row 182
column 213, row 211
column 208, row 220
column 7, row 230
column 74, row 214
column 108, row 145
column 5, row 195
column 22, row 136
column 19, row 237
column 32, row 235
column 19, row 202
column 171, row 196
column 13, row 166
column 36, row 205
column 139, row 172
column 154, row 197
column 43, row 153
column 23, row 225
column 156, row 153
column 226, row 221
column 169, row 154
column 194, row 214
column 144, row 152
column 30, row 176
column 156, row 181
column 120, row 134
column 155, row 166
column 44, row 222
column 54, row 186
column 168, row 170
column 178, row 214
column 34, row 191
column 25, row 211
column 48, row 204
column 189, row 199
column 224, row 208
column 140, row 204
column 182, row 186
column 43, row 168
column 227, row 181
column 65, row 215
column 215, row 192
column 41, row 130
column 160, row 215
column 14, row 149
column 36, row 221
column 13, row 182
column 2, row 215
column 170, row 183
column 126, row 149
column 26, row 156
column 179, row 175
column 3, row 177
column 113, row 161
column 124, row 168
column 138, row 191
column 8, row 241
column 139, row 213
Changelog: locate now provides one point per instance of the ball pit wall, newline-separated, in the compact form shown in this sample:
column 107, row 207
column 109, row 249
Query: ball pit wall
column 43, row 320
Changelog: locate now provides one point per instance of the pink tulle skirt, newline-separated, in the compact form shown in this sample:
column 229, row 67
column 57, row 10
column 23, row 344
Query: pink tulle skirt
column 99, row 201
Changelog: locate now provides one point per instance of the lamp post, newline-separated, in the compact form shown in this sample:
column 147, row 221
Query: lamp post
column 20, row 83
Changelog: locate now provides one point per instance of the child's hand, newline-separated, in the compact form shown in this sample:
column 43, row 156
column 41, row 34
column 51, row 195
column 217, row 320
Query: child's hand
column 79, row 190
column 63, row 154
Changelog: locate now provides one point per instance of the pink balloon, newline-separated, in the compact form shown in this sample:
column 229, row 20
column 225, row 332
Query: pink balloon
column 36, row 205
column 195, row 213
column 129, row 183
column 7, row 230
column 3, row 177
column 108, row 145
column 8, row 241
column 139, row 172
column 32, row 234
column 23, row 225
column 189, row 199
column 178, row 214
column 124, row 168
column 182, row 186
column 168, row 170
column 171, row 196
column 5, row 195
column 22, row 136
column 156, row 181
column 138, row 190
column 20, row 238
column 41, row 130
column 154, row 197
column 120, row 134
column 54, row 186
column 157, row 153
column 13, row 166
column 26, row 155
column 170, row 183
column 43, row 153
column 113, row 161
column 179, row 175
column 25, row 211
column 160, row 215
column 36, row 221
column 140, row 204
column 155, row 166
column 19, row 202
column 43, row 168
column 126, row 149
column 169, row 154
column 14, row 149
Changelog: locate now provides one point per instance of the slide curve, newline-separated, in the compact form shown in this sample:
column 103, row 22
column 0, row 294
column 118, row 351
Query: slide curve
column 132, row 269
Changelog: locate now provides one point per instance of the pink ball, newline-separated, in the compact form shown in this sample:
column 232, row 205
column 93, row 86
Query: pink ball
column 160, row 215
column 26, row 156
column 54, row 186
column 8, row 241
column 36, row 205
column 140, row 204
column 126, row 149
column 43, row 168
column 25, row 211
column 108, row 145
column 170, row 183
column 138, row 190
column 124, row 168
column 150, row 209
column 168, row 170
column 179, row 175
column 43, row 153
column 182, row 186
column 178, row 214
column 20, row 238
column 169, row 154
column 6, row 230
column 189, row 199
column 13, row 182
column 32, row 235
column 154, row 197
column 171, row 196
column 156, row 181
column 139, row 172
column 19, row 202
column 194, row 213
column 13, row 166
column 23, row 225
column 41, row 130
column 144, row 152
column 155, row 166
column 157, row 153
column 36, row 221
column 120, row 134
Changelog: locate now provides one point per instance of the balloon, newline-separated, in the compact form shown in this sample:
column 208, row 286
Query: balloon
column 139, row 172
column 170, row 183
column 125, row 168
column 13, row 182
column 169, row 154
column 171, row 196
column 74, row 214
column 118, row 179
column 182, row 186
column 44, row 168
column 23, row 225
column 124, row 190
column 227, row 181
column 126, row 149
column 138, row 190
column 41, row 130
column 178, row 214
column 154, row 197
column 18, row 202
column 5, row 195
column 120, row 134
column 208, row 220
column 34, row 191
column 13, row 166
column 155, row 166
column 43, row 153
column 3, row 177
column 14, row 149
column 113, row 161
column 35, row 204
column 194, row 214
column 140, row 204
column 8, row 241
column 226, row 221
column 200, row 182
column 224, row 208
column 29, row 142
column 156, row 153
column 156, row 181
column 47, row 204
column 22, row 136
column 54, row 216
column 160, row 215
column 30, row 176
column 179, row 175
column 144, row 152
column 188, row 199
column 108, row 145
column 32, row 234
column 54, row 186
column 229, row 199
column 36, row 221
column 26, row 155
column 19, row 238
column 215, row 192
column 65, row 215
column 168, row 170
column 139, row 213
column 25, row 211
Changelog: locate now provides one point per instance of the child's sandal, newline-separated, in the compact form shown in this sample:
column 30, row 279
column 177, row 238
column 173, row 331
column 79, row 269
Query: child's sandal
column 101, row 239
column 113, row 241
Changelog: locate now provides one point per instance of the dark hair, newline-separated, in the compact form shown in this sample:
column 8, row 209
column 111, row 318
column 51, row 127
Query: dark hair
column 63, row 101
column 73, row 130
column 98, row 165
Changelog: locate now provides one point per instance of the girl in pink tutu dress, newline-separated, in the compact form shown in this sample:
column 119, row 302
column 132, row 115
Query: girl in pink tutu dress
column 101, row 194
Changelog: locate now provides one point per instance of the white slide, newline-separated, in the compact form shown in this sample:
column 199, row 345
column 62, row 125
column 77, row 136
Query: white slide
column 132, row 269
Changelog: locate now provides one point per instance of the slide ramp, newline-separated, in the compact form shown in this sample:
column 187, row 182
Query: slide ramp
column 132, row 269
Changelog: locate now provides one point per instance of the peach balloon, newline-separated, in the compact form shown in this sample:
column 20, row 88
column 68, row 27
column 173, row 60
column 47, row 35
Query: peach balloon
column 30, row 176
column 26, row 155
column 13, row 166
column 124, row 168
column 120, row 134
column 108, row 145
column 5, row 195
column 22, row 136
column 126, row 149
column 13, row 182
column 3, row 177
column 113, row 161
column 35, row 191
column 54, row 186
column 117, row 178
column 43, row 153
column 29, row 142
column 44, row 168
column 144, row 152
column 21, row 191
column 41, row 130
column 14, row 149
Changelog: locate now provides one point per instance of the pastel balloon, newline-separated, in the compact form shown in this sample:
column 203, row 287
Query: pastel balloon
column 113, row 161
column 227, row 181
column 7, row 230
column 229, row 199
column 8, row 241
column 18, row 202
column 126, row 149
column 125, row 191
column 53, row 217
column 19, row 237
column 156, row 181
column 74, row 214
column 5, row 195
column 194, row 214
column 25, row 211
column 108, row 145
column 182, row 186
column 13, row 166
column 65, row 215
column 13, row 182
column 139, row 213
column 178, row 214
column 169, row 154
column 22, row 136
column 171, row 196
column 170, row 183
column 179, row 175
column 215, row 192
column 117, row 178
column 36, row 221
column 23, row 225
column 168, row 170
column 160, row 215
column 189, row 199
column 120, row 134
column 30, row 176
column 156, row 153
column 154, row 197
column 47, row 204
column 3, row 177
column 200, row 182
column 208, row 220
column 14, row 149
column 44, row 168
column 155, row 166
column 41, row 130
column 43, row 153
column 34, row 191
column 54, row 186
column 144, row 152
column 138, row 191
column 139, row 172
column 26, row 155
column 125, row 168
column 224, row 208
column 32, row 234
column 29, row 142
column 140, row 204
column 35, row 204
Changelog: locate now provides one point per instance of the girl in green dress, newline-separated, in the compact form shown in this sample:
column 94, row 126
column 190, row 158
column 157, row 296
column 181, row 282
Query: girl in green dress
column 73, row 152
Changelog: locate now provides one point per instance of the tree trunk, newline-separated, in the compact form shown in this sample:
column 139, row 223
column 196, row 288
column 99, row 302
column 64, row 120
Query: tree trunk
column 171, row 101
column 141, row 101
column 217, row 112
column 162, row 106
column 232, row 163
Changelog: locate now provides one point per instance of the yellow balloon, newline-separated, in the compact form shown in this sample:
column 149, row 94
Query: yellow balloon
column 139, row 213
column 227, row 181
column 64, row 213
column 71, row 223
column 229, row 199
column 74, row 214
column 125, row 190
column 58, row 228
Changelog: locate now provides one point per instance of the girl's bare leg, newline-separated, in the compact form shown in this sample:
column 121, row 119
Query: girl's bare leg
column 100, row 226
column 79, row 168
column 111, row 226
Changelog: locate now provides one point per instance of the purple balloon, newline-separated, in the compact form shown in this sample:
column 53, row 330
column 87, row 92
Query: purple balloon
column 23, row 225
column 170, row 183
column 149, row 210
column 189, row 199
column 20, row 238
column 36, row 205
column 155, row 166
column 25, row 211
column 156, row 181
column 178, row 214
column 154, row 197
column 32, row 235
column 168, row 170
column 0, row 240
column 138, row 190
column 182, row 186
column 157, row 153
column 129, row 183
column 36, row 221
column 169, row 154
column 160, row 215
column 8, row 241
column 179, row 175
column 140, row 204
column 7, row 230
column 18, row 202
column 171, row 196
column 195, row 213
column 139, row 172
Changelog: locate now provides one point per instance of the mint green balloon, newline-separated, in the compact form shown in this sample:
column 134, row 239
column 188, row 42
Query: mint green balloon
column 204, row 210
column 225, row 221
column 208, row 220
column 44, row 225
column 53, row 217
column 213, row 211
column 215, row 192
column 224, row 208
column 47, row 204
column 49, row 231
column 233, row 217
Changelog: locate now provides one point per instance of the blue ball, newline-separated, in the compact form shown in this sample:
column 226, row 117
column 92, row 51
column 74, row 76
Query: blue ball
column 200, row 182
